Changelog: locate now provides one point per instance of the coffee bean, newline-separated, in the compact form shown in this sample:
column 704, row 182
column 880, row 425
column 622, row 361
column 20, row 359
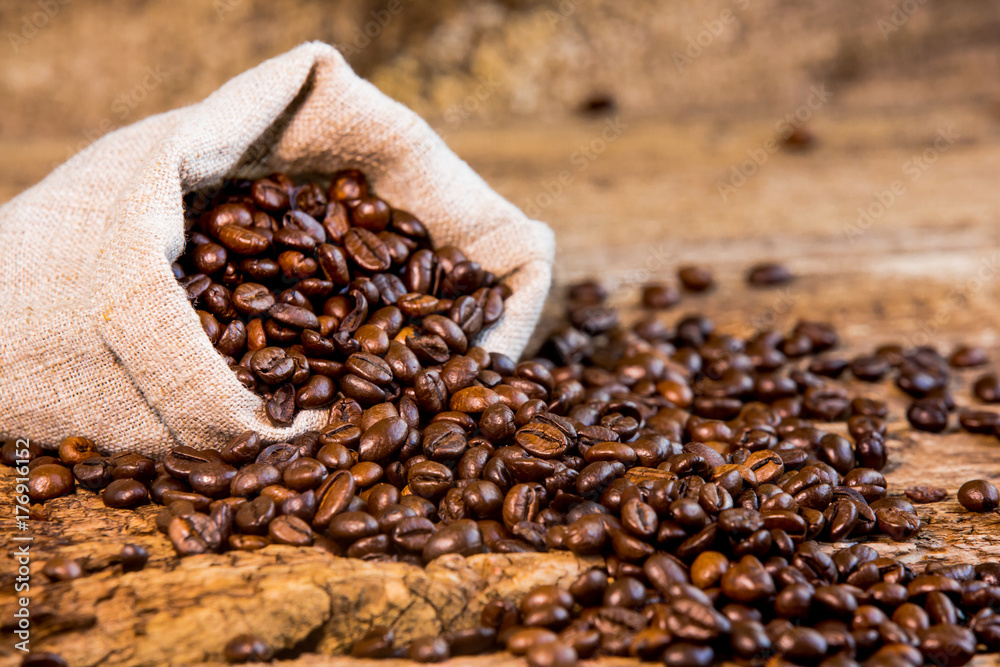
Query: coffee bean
column 49, row 481
column 134, row 557
column 660, row 297
column 125, row 493
column 767, row 274
column 462, row 537
column 429, row 650
column 290, row 530
column 979, row 496
column 552, row 654
column 75, row 449
column 926, row 494
column 194, row 534
column 948, row 644
column 60, row 568
column 542, row 440
column 927, row 415
column 695, row 278
column 246, row 648
column 43, row 659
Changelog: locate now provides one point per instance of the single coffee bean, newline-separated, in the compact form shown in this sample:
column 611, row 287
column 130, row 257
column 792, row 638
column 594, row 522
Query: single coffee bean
column 60, row 568
column 246, row 648
column 767, row 274
column 696, row 278
column 194, row 534
column 75, row 449
column 94, row 473
column 49, row 481
column 926, row 494
column 134, row 557
column 979, row 496
column 125, row 493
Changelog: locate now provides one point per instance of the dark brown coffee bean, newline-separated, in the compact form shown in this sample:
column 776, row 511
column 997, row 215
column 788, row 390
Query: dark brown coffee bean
column 695, row 278
column 926, row 494
column 462, row 537
column 767, row 274
column 979, row 495
column 927, row 415
column 551, row 654
column 543, row 440
column 246, row 648
column 253, row 517
column 429, row 650
column 898, row 524
column 281, row 406
column 60, row 568
column 194, row 534
column 49, row 481
column 133, row 557
column 94, row 473
column 367, row 250
column 290, row 530
column 948, row 644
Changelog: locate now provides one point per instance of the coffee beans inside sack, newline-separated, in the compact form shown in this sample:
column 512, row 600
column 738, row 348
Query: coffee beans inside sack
column 730, row 485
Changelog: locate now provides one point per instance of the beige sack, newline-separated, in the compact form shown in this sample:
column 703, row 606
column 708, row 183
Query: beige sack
column 96, row 336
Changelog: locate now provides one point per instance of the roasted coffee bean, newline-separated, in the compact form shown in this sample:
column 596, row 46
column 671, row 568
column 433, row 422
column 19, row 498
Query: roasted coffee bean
column 194, row 534
column 253, row 517
column 987, row 388
column 133, row 557
column 125, row 493
column 542, row 440
column 551, row 654
column 246, row 648
column 94, row 473
column 948, row 644
column 60, row 568
column 462, row 537
column 429, row 650
column 49, row 481
column 926, row 494
column 660, row 297
column 695, row 278
column 767, row 274
column 75, row 449
column 927, row 415
column 979, row 421
column 979, row 496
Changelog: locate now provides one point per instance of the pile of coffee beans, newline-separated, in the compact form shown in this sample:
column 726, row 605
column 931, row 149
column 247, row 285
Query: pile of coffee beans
column 704, row 468
column 308, row 291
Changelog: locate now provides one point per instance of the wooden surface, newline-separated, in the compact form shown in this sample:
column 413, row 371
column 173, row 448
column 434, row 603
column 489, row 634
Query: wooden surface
column 646, row 202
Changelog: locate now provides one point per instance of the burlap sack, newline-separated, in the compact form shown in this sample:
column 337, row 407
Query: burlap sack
column 96, row 336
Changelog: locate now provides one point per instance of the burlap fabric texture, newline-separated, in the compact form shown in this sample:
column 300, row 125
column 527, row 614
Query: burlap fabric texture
column 96, row 336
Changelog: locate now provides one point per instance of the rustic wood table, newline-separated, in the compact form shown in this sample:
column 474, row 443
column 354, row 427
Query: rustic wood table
column 891, row 223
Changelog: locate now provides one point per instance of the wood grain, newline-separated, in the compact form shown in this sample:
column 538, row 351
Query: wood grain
column 925, row 269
